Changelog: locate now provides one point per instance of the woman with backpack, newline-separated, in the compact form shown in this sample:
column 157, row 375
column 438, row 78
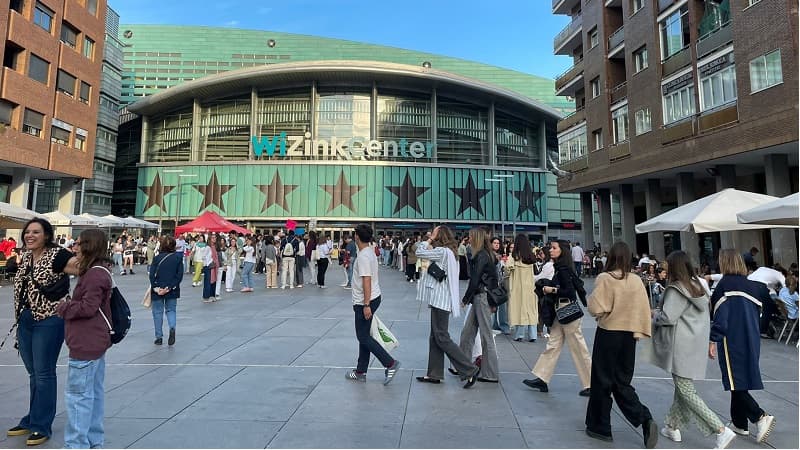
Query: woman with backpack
column 620, row 305
column 88, row 338
column 562, row 288
column 166, row 275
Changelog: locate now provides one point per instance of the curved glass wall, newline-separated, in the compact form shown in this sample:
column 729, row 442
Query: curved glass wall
column 393, row 126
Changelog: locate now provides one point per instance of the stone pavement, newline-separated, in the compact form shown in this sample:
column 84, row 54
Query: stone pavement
column 267, row 370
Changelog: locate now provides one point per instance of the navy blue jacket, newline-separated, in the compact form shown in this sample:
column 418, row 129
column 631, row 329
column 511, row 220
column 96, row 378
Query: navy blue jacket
column 170, row 274
column 735, row 306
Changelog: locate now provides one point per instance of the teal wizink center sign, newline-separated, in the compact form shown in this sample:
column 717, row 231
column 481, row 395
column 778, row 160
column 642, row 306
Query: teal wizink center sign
column 353, row 148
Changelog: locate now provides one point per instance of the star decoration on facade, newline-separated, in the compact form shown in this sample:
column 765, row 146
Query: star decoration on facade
column 276, row 193
column 341, row 193
column 528, row 198
column 407, row 195
column 212, row 194
column 155, row 194
column 470, row 196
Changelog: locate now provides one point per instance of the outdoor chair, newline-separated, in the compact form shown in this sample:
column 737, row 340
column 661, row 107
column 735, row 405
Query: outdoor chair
column 784, row 316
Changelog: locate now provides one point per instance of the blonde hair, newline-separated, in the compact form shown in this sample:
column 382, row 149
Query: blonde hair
column 480, row 240
column 731, row 262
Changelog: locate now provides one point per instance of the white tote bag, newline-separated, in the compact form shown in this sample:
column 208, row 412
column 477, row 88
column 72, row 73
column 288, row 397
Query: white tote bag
column 380, row 332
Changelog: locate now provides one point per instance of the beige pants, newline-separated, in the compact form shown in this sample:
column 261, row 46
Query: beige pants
column 570, row 332
column 272, row 275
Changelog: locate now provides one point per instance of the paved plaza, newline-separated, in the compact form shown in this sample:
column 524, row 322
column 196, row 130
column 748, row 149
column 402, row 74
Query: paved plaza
column 267, row 370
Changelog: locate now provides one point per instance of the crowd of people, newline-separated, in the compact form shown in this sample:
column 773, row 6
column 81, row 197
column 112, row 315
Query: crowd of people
column 536, row 290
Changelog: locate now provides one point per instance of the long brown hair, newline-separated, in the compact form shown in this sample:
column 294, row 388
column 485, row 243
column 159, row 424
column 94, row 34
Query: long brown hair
column 445, row 238
column 681, row 271
column 522, row 250
column 480, row 240
column 93, row 250
column 731, row 262
column 619, row 258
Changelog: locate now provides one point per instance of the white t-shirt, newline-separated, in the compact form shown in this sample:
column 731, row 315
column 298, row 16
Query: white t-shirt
column 577, row 254
column 366, row 265
column 771, row 277
column 249, row 254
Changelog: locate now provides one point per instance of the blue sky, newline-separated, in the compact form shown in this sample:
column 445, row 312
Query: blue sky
column 516, row 34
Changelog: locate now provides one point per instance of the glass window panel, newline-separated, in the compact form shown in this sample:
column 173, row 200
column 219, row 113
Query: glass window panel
column 516, row 142
column 462, row 133
column 66, row 83
column 288, row 113
column 43, row 17
column 38, row 69
column 85, row 92
column 170, row 137
column 69, row 35
column 344, row 115
column 225, row 130
column 404, row 117
column 88, row 48
column 59, row 135
column 773, row 67
column 6, row 110
column 32, row 122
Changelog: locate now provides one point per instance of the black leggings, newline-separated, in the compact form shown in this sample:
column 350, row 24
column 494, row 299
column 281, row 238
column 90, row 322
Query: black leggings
column 322, row 267
column 411, row 271
column 744, row 408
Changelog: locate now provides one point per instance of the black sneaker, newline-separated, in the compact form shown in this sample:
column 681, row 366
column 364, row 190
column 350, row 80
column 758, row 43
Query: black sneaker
column 36, row 439
column 585, row 392
column 158, row 341
column 536, row 383
column 650, row 433
column 18, row 431
column 171, row 340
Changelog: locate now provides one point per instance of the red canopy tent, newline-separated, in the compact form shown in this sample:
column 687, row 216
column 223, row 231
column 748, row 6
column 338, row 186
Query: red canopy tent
column 210, row 222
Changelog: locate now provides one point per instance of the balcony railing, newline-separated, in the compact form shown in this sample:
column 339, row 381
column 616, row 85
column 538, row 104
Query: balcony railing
column 569, row 75
column 619, row 150
column 718, row 118
column 576, row 165
column 619, row 92
column 678, row 131
column 714, row 40
column 616, row 38
column 571, row 120
column 676, row 62
column 569, row 30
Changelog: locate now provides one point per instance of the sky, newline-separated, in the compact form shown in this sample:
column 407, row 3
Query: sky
column 514, row 34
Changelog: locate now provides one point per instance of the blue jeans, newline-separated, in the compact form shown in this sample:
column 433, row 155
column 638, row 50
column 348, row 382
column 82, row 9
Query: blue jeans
column 350, row 275
column 209, row 288
column 118, row 261
column 366, row 344
column 85, row 403
column 500, row 321
column 247, row 275
column 159, row 305
column 519, row 331
column 39, row 345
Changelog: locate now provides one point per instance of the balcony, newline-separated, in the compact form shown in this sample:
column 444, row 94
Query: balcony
column 616, row 44
column 714, row 40
column 564, row 6
column 717, row 118
column 676, row 62
column 678, row 131
column 571, row 120
column 576, row 165
column 619, row 93
column 569, row 82
column 619, row 150
column 569, row 38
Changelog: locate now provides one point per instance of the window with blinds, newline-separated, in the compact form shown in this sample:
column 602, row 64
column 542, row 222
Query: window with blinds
column 66, row 83
column 32, row 123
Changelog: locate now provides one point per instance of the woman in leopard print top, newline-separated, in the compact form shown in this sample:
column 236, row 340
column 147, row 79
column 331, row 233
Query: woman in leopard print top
column 40, row 332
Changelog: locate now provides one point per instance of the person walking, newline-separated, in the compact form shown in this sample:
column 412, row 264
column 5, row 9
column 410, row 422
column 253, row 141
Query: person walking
column 463, row 262
column 198, row 256
column 523, row 304
column 289, row 249
column 351, row 252
column 210, row 264
column 366, row 301
column 735, row 306
column 87, row 338
column 562, row 286
column 620, row 305
column 166, row 275
column 40, row 332
column 678, row 326
column 271, row 262
column 443, row 300
column 249, row 265
column 577, row 258
column 324, row 249
column 117, row 250
column 479, row 317
column 411, row 258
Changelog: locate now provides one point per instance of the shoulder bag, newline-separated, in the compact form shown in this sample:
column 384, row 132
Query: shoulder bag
column 436, row 272
column 568, row 311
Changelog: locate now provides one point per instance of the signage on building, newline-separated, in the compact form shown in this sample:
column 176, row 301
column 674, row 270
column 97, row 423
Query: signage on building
column 680, row 82
column 353, row 148
column 715, row 65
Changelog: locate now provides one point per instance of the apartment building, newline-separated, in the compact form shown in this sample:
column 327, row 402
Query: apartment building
column 674, row 100
column 49, row 97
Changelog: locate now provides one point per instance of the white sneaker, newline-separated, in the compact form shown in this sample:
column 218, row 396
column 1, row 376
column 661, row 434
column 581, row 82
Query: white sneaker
column 673, row 434
column 765, row 425
column 738, row 430
column 724, row 439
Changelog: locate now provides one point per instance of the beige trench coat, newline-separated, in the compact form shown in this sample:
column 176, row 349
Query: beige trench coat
column 523, row 304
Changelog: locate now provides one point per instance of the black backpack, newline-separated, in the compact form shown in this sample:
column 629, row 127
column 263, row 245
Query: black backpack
column 120, row 321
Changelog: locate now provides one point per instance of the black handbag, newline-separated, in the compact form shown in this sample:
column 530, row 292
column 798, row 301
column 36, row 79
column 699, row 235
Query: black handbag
column 436, row 272
column 497, row 292
column 568, row 311
column 56, row 291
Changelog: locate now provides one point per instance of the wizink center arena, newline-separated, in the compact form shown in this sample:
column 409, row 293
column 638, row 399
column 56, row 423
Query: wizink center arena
column 339, row 137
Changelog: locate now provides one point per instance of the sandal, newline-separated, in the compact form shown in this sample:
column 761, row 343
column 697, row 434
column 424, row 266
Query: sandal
column 428, row 380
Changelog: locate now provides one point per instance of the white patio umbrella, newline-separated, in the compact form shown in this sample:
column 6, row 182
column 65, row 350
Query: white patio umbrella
column 783, row 211
column 716, row 212
column 142, row 223
column 120, row 222
column 12, row 216
column 103, row 222
column 60, row 219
